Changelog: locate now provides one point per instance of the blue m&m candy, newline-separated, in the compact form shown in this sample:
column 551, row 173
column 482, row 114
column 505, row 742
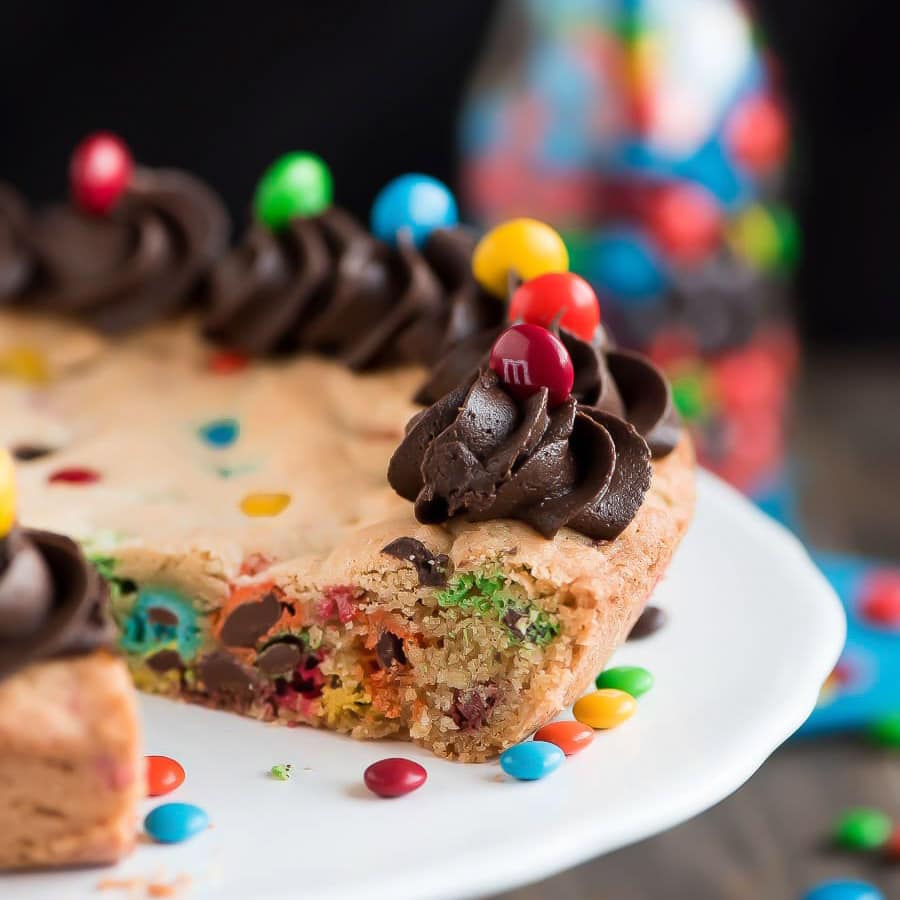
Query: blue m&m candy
column 844, row 890
column 532, row 760
column 220, row 433
column 172, row 823
column 413, row 204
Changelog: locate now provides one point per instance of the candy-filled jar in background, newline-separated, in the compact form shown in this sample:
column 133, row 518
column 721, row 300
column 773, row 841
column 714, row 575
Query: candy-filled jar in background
column 650, row 134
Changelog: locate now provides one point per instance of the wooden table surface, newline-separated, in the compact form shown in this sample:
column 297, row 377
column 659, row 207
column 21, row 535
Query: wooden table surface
column 768, row 841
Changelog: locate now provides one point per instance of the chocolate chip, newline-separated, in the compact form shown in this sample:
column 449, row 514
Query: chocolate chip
column 389, row 650
column 30, row 452
column 472, row 709
column 431, row 569
column 651, row 619
column 250, row 621
column 224, row 676
column 279, row 658
column 165, row 661
column 159, row 615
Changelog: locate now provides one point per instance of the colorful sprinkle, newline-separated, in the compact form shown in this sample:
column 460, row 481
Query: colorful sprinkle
column 570, row 737
column 281, row 771
column 173, row 823
column 164, row 774
column 605, row 708
column 632, row 679
column 261, row 505
column 862, row 829
column 844, row 890
column 532, row 760
column 220, row 433
column 394, row 777
column 74, row 475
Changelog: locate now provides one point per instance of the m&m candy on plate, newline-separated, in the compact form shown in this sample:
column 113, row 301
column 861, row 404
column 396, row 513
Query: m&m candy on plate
column 605, row 708
column 531, row 760
column 173, row 823
column 570, row 737
column 164, row 774
column 394, row 777
column 844, row 890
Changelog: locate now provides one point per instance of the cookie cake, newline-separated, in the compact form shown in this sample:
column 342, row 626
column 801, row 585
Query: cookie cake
column 390, row 482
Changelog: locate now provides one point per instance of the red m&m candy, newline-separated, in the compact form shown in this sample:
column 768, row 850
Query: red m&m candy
column 557, row 295
column 164, row 774
column 686, row 221
column 528, row 357
column 758, row 133
column 880, row 601
column 99, row 172
column 394, row 777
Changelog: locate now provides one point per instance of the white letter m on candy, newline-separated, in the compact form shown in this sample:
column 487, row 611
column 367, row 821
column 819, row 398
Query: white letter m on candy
column 515, row 371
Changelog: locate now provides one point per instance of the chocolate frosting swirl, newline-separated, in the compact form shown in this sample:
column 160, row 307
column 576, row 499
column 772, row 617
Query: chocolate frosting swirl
column 324, row 284
column 52, row 601
column 16, row 259
column 480, row 453
column 140, row 263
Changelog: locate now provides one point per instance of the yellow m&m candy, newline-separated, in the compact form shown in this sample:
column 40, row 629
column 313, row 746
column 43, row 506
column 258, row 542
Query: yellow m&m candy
column 261, row 505
column 7, row 493
column 522, row 247
column 605, row 708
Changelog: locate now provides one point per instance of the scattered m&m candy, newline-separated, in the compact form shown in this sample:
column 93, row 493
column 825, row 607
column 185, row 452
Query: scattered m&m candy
column 627, row 266
column 605, row 708
column 885, row 730
column 172, row 823
column 758, row 133
column 862, row 829
column 261, row 505
column 99, row 172
column 633, row 680
column 528, row 358
column 531, row 760
column 844, row 890
column 414, row 204
column 74, row 475
column 394, row 777
column 557, row 297
column 164, row 774
column 295, row 185
column 880, row 601
column 570, row 737
column 220, row 433
column 524, row 248
column 686, row 221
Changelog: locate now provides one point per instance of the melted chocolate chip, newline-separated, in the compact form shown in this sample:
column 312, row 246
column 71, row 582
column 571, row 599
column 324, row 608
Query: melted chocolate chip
column 389, row 650
column 224, row 676
column 431, row 569
column 280, row 658
column 472, row 709
column 165, row 661
column 159, row 615
column 248, row 622
column 30, row 452
column 651, row 619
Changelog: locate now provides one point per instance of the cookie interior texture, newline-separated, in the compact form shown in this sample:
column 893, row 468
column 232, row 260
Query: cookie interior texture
column 334, row 607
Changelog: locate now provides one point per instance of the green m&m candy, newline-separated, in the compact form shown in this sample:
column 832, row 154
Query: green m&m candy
column 862, row 829
column 885, row 731
column 295, row 185
column 632, row 679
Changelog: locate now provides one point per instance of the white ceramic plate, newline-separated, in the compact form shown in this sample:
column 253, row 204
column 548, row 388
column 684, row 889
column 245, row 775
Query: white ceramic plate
column 754, row 630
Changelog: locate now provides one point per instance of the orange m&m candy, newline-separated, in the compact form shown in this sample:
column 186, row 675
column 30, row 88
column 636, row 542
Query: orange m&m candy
column 164, row 774
column 570, row 737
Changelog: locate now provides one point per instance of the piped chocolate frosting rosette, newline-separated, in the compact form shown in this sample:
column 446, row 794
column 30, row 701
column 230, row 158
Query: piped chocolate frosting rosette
column 132, row 247
column 552, row 427
column 52, row 601
column 307, row 276
column 16, row 257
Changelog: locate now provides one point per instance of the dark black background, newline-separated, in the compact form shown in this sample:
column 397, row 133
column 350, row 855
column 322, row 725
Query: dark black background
column 375, row 87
